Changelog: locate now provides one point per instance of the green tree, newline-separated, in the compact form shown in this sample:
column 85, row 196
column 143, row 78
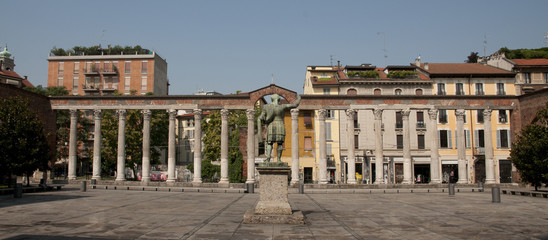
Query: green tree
column 23, row 145
column 529, row 152
column 473, row 57
column 525, row 53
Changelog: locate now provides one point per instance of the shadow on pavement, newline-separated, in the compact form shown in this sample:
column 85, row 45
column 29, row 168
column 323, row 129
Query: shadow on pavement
column 48, row 237
column 29, row 198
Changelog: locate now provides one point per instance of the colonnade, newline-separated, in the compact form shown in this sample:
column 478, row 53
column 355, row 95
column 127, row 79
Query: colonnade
column 250, row 113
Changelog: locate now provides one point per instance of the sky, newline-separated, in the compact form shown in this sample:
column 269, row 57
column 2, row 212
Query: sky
column 229, row 46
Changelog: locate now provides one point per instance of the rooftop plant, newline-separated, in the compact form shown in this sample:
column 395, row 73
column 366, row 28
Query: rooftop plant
column 98, row 50
column 402, row 74
column 365, row 74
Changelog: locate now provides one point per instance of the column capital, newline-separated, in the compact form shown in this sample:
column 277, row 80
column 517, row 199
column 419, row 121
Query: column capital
column 73, row 112
column 250, row 113
column 197, row 114
column 460, row 113
column 487, row 113
column 294, row 113
column 433, row 113
column 224, row 113
column 97, row 114
column 146, row 114
column 121, row 112
column 378, row 113
column 172, row 114
column 351, row 113
column 322, row 114
column 405, row 113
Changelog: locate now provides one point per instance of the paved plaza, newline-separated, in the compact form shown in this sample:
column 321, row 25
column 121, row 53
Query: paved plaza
column 123, row 214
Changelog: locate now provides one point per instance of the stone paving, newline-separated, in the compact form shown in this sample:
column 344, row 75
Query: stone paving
column 123, row 214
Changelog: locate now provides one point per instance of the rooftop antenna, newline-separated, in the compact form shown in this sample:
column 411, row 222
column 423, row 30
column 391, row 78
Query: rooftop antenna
column 484, row 45
column 272, row 79
column 384, row 49
column 331, row 60
column 545, row 38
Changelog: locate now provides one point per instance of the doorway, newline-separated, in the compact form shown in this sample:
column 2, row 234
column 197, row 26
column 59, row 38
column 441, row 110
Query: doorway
column 505, row 169
column 479, row 170
column 422, row 173
column 307, row 174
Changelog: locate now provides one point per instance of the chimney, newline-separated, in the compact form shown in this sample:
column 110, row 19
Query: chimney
column 426, row 66
column 418, row 62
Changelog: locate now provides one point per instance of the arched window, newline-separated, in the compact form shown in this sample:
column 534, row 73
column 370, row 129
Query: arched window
column 351, row 92
column 377, row 92
column 397, row 92
column 418, row 91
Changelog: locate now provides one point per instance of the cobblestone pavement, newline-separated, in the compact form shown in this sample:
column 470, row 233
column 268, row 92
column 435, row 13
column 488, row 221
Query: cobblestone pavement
column 122, row 214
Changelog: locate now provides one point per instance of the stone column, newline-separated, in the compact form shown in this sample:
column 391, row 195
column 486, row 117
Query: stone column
column 294, row 146
column 489, row 164
column 461, row 148
column 379, row 155
column 97, row 116
column 434, row 154
column 145, row 168
column 250, row 145
column 224, row 146
column 407, row 164
column 171, row 147
column 121, row 163
column 197, row 146
column 323, row 154
column 72, row 144
column 351, row 156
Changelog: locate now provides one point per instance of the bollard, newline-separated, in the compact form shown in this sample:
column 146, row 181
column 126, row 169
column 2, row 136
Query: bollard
column 495, row 193
column 93, row 181
column 480, row 186
column 18, row 190
column 83, row 187
column 451, row 189
column 301, row 187
column 250, row 187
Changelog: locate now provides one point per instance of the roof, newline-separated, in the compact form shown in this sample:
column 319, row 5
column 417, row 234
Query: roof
column 530, row 62
column 463, row 69
column 11, row 74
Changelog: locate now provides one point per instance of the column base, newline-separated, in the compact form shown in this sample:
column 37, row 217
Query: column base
column 351, row 181
column 406, row 182
column 322, row 182
column 96, row 177
column 490, row 181
column 435, row 181
column 145, row 180
column 120, row 180
column 71, row 178
column 170, row 181
column 462, row 182
column 379, row 181
column 223, row 181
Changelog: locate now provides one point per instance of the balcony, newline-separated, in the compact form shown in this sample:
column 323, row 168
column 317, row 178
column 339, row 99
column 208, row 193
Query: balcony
column 399, row 125
column 108, row 70
column 421, row 125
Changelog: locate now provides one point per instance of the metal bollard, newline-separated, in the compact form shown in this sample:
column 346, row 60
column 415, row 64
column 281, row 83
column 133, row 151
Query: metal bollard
column 250, row 187
column 83, row 187
column 480, row 186
column 495, row 193
column 451, row 189
column 18, row 190
column 301, row 187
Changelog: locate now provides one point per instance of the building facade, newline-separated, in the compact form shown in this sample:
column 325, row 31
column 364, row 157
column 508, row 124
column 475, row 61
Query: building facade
column 108, row 74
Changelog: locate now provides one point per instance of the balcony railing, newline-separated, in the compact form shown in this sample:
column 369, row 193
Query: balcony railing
column 103, row 70
column 421, row 124
column 399, row 125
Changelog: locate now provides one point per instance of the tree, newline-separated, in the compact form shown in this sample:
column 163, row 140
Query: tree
column 529, row 152
column 473, row 57
column 23, row 145
column 524, row 53
column 48, row 91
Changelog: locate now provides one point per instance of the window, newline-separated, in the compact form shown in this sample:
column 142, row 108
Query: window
column 127, row 67
column 479, row 89
column 356, row 124
column 326, row 91
column 144, row 67
column 442, row 113
column 96, row 81
column 307, row 143
column 479, row 138
column 127, row 83
column 88, row 67
column 420, row 120
column 351, row 92
column 108, row 82
column 397, row 92
column 115, row 66
column 59, row 81
column 527, row 78
column 330, row 114
column 96, row 66
column 441, row 88
column 76, row 69
column 502, row 116
column 418, row 92
column 377, row 92
column 399, row 120
column 356, row 142
column 459, row 89
column 307, row 119
column 546, row 77
column 328, row 131
column 144, row 82
column 75, row 82
column 445, row 139
column 500, row 89
column 420, row 141
column 503, row 138
column 399, row 141
column 115, row 82
column 61, row 68
column 328, row 149
column 479, row 116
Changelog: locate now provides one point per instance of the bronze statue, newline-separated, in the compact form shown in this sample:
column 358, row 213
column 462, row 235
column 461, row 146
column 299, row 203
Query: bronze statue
column 273, row 116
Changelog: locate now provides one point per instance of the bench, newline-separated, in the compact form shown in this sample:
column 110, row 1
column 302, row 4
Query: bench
column 55, row 184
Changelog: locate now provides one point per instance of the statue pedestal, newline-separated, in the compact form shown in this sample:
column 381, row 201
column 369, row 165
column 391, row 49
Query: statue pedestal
column 273, row 206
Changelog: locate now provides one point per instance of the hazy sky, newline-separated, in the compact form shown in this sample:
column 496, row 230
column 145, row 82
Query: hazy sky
column 226, row 46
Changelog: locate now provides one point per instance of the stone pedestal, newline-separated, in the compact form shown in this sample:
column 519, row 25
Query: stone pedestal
column 273, row 206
